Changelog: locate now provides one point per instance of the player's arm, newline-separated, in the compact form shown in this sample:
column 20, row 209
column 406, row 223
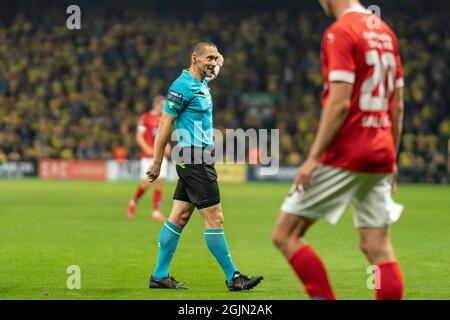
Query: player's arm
column 339, row 47
column 164, row 132
column 397, row 116
column 332, row 118
column 397, row 110
column 141, row 141
column 398, row 105
column 220, row 61
column 397, row 126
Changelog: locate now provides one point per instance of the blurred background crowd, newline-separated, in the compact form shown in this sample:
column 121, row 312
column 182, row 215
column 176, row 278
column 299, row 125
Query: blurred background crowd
column 78, row 94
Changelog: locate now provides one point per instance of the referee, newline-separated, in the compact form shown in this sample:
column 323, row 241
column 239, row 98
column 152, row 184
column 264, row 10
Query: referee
column 189, row 106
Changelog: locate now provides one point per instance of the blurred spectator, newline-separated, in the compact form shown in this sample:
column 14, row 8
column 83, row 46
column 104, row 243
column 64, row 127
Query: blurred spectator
column 120, row 153
column 3, row 156
column 78, row 94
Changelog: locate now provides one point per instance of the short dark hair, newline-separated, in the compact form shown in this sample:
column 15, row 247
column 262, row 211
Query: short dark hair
column 198, row 45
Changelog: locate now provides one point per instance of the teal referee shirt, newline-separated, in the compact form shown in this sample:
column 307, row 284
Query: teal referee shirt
column 189, row 101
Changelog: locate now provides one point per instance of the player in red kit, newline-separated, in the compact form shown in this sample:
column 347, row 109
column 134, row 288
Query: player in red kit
column 352, row 160
column 145, row 136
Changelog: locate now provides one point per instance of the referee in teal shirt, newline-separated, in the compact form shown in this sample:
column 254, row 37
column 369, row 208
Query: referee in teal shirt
column 189, row 106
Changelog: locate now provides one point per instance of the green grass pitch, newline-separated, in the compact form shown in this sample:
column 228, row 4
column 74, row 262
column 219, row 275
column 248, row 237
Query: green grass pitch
column 46, row 226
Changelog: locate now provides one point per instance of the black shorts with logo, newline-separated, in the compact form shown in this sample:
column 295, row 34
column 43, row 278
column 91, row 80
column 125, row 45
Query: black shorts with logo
column 197, row 184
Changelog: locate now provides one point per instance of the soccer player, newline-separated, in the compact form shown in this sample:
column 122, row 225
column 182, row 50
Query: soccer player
column 352, row 159
column 189, row 106
column 145, row 137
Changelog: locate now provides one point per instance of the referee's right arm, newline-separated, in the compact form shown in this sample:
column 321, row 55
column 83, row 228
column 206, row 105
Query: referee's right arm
column 162, row 137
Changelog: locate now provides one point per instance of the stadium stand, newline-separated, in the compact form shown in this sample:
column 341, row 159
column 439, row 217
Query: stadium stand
column 78, row 94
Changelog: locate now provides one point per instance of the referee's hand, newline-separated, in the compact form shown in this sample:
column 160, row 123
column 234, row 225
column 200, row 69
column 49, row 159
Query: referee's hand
column 153, row 171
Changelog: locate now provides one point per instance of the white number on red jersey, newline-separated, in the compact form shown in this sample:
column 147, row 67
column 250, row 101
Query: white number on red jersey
column 383, row 66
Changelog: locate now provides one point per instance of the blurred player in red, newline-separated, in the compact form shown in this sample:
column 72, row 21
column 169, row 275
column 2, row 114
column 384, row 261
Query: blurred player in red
column 353, row 158
column 145, row 136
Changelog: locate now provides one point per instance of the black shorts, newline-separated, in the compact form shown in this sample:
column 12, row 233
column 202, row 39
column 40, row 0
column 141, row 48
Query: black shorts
column 197, row 184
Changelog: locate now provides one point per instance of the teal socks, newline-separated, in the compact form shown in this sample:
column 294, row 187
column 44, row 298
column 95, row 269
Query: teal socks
column 168, row 241
column 215, row 240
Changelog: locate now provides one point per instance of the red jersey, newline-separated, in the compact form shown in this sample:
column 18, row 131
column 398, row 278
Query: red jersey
column 148, row 123
column 361, row 49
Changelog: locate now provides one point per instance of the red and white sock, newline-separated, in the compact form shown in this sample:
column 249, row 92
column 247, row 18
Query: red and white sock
column 138, row 194
column 157, row 200
column 391, row 282
column 309, row 268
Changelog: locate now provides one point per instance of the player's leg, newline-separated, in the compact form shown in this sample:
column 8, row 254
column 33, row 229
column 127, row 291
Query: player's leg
column 158, row 192
column 374, row 210
column 289, row 237
column 329, row 192
column 376, row 245
column 139, row 192
column 141, row 188
column 157, row 200
column 168, row 241
column 217, row 245
column 289, row 233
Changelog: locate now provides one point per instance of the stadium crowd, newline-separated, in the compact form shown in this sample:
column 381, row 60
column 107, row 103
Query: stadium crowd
column 77, row 94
